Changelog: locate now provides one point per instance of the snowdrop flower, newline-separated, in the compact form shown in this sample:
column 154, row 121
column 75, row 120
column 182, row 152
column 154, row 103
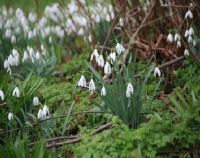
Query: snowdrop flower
column 129, row 90
column 107, row 68
column 194, row 43
column 121, row 22
column 112, row 57
column 16, row 92
column 186, row 33
column 191, row 31
column 190, row 40
column 178, row 44
column 10, row 116
column 45, row 111
column 14, row 58
column 186, row 52
column 92, row 85
column 157, row 72
column 25, row 56
column 189, row 14
column 1, row 95
column 100, row 61
column 40, row 114
column 81, row 32
column 30, row 35
column 13, row 39
column 8, row 33
column 94, row 54
column 6, row 64
column 82, row 82
column 32, row 17
column 36, row 101
column 170, row 38
column 177, row 37
column 50, row 39
column 119, row 48
column 103, row 91
column 108, row 17
column 37, row 56
column 90, row 38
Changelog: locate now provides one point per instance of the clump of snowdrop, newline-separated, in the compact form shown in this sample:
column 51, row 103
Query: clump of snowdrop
column 129, row 90
column 16, row 92
column 157, row 72
column 1, row 95
column 118, row 93
column 12, row 60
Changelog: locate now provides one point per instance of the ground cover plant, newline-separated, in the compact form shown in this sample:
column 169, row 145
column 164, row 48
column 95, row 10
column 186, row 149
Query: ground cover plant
column 99, row 78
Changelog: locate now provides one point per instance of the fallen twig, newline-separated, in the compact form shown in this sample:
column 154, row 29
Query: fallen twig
column 78, row 138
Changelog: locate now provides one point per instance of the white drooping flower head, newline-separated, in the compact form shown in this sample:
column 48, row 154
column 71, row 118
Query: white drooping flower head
column 186, row 52
column 191, row 31
column 170, row 38
column 40, row 114
column 190, row 39
column 1, row 95
column 25, row 56
column 178, row 45
column 119, row 48
column 129, row 90
column 36, row 101
column 6, row 64
column 45, row 111
column 92, row 85
column 107, row 68
column 112, row 57
column 100, row 61
column 32, row 17
column 16, row 92
column 13, row 39
column 177, row 37
column 194, row 43
column 103, row 91
column 157, row 72
column 82, row 81
column 37, row 55
column 15, row 61
column 186, row 33
column 189, row 14
column 95, row 55
column 10, row 116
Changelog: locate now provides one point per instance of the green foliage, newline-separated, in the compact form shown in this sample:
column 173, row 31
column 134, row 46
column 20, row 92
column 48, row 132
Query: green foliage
column 20, row 149
column 188, row 77
column 115, row 142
